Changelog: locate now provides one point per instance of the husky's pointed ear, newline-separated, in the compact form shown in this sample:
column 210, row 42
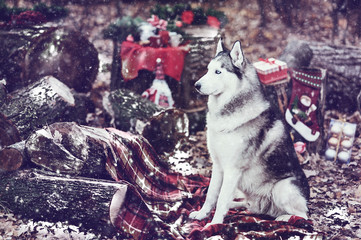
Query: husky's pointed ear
column 237, row 54
column 219, row 46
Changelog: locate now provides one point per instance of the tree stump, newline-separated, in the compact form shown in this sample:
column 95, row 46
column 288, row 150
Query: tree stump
column 201, row 50
column 46, row 196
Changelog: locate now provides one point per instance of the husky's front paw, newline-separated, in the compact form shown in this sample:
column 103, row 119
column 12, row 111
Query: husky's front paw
column 284, row 218
column 199, row 215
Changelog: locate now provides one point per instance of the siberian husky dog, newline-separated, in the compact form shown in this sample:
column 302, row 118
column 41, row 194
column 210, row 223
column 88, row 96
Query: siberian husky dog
column 251, row 150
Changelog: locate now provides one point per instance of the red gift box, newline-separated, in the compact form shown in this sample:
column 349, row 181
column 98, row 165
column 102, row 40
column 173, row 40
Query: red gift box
column 270, row 70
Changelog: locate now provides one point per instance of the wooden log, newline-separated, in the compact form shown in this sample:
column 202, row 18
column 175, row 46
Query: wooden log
column 3, row 94
column 68, row 148
column 8, row 132
column 79, row 111
column 71, row 58
column 33, row 53
column 126, row 107
column 46, row 196
column 202, row 47
column 12, row 53
column 343, row 64
column 13, row 157
column 39, row 104
column 166, row 129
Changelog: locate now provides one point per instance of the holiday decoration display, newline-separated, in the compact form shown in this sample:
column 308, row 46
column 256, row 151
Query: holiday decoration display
column 301, row 113
column 189, row 16
column 340, row 140
column 165, row 27
column 159, row 92
column 270, row 70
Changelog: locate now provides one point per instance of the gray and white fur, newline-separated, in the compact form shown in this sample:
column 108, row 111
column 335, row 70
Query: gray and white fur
column 251, row 150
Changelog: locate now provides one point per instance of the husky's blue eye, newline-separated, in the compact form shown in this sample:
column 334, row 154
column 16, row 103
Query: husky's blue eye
column 218, row 72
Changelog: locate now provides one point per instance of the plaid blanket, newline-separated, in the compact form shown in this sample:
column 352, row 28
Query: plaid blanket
column 158, row 202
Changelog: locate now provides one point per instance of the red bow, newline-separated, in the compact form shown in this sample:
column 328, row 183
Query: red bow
column 158, row 23
column 267, row 61
column 270, row 62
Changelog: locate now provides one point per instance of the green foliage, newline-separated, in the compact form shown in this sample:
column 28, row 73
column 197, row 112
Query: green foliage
column 51, row 13
column 199, row 16
column 121, row 28
column 169, row 13
column 173, row 13
column 171, row 27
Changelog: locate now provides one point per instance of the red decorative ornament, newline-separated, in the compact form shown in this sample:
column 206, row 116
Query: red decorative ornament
column 213, row 22
column 130, row 38
column 300, row 147
column 187, row 17
column 179, row 24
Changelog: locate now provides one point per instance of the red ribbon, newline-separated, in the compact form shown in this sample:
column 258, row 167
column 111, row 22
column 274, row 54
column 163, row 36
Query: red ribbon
column 158, row 23
column 270, row 62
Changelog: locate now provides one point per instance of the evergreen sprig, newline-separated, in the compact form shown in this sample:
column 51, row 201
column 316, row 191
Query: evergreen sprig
column 173, row 13
column 121, row 28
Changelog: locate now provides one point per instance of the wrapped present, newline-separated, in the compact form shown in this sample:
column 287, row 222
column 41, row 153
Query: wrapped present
column 270, row 70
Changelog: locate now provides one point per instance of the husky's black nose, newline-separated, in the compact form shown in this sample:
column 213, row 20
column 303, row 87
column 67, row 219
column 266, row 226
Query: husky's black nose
column 197, row 85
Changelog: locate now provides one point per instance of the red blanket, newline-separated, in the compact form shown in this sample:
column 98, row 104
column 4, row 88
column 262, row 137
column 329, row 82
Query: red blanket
column 136, row 57
column 158, row 202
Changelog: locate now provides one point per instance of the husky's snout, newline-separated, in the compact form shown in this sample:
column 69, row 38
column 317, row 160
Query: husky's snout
column 198, row 86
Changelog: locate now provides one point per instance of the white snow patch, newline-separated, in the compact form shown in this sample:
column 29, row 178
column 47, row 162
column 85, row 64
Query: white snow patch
column 338, row 212
column 178, row 163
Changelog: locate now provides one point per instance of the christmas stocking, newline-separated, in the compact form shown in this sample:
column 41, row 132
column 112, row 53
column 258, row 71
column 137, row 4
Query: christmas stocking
column 301, row 113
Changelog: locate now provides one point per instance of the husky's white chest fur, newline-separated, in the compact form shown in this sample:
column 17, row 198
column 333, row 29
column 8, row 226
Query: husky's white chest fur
column 248, row 144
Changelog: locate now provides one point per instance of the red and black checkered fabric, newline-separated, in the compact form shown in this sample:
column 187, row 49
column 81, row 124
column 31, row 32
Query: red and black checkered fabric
column 157, row 202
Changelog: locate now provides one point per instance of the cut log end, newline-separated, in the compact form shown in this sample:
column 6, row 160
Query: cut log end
column 62, row 90
column 10, row 159
column 117, row 203
column 8, row 132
